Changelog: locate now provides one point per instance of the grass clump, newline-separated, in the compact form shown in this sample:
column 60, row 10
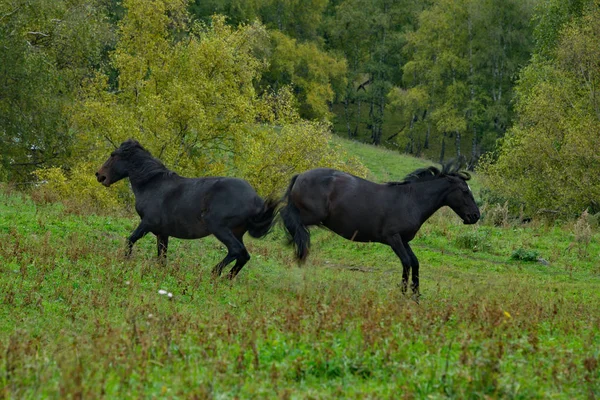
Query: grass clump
column 474, row 240
column 522, row 254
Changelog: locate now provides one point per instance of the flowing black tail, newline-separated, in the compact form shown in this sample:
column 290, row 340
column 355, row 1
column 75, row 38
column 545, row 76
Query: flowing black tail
column 297, row 232
column 260, row 224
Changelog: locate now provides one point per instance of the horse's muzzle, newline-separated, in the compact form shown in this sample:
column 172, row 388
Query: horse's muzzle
column 102, row 179
column 470, row 219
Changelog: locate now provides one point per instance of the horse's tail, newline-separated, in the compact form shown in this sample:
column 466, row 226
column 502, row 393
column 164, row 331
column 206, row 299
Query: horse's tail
column 260, row 224
column 297, row 232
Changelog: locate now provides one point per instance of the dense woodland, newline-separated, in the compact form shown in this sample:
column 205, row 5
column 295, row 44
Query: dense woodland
column 254, row 88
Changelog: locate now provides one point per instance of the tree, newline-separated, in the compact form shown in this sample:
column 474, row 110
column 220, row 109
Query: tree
column 549, row 160
column 187, row 93
column 46, row 48
column 370, row 33
column 310, row 71
column 463, row 56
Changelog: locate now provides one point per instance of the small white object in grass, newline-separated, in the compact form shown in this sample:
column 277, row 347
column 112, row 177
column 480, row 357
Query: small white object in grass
column 170, row 294
column 161, row 291
column 127, row 282
column 150, row 315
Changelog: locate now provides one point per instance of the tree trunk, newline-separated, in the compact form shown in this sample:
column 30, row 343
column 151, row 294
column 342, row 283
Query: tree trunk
column 474, row 154
column 443, row 148
column 347, row 116
column 457, row 144
column 356, row 127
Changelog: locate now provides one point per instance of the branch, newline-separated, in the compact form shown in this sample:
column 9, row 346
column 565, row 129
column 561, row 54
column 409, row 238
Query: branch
column 362, row 85
column 397, row 133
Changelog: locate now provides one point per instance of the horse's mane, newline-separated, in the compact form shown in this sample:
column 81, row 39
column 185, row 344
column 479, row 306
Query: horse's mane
column 451, row 168
column 144, row 165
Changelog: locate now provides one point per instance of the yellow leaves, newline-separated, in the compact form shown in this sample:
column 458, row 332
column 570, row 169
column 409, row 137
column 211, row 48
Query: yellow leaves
column 79, row 186
column 272, row 155
column 193, row 105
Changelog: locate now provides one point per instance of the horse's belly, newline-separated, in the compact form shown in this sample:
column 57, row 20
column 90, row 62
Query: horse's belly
column 186, row 230
column 352, row 232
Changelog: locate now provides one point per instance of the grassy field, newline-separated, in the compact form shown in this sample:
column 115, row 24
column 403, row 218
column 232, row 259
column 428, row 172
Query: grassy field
column 80, row 320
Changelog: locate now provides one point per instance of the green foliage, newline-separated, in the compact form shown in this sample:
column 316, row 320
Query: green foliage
column 46, row 48
column 187, row 94
column 371, row 36
column 522, row 254
column 295, row 55
column 312, row 73
column 548, row 161
column 549, row 18
column 78, row 187
column 457, row 89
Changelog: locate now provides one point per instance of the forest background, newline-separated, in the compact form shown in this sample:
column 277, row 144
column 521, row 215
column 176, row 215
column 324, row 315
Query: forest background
column 255, row 89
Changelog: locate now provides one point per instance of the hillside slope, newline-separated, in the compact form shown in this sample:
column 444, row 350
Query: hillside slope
column 79, row 319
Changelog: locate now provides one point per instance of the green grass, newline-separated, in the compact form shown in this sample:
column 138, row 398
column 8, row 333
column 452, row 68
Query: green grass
column 78, row 319
column 388, row 165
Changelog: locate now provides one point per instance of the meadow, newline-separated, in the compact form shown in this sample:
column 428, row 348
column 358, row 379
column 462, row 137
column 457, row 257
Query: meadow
column 509, row 310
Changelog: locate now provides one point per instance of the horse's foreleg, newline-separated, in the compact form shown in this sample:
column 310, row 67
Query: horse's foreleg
column 399, row 248
column 137, row 234
column 162, row 244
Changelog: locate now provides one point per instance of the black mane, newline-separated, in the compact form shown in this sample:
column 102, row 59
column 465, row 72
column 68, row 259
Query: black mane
column 144, row 165
column 451, row 168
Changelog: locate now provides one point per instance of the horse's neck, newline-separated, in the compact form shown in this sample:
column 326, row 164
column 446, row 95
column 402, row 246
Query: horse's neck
column 144, row 172
column 430, row 196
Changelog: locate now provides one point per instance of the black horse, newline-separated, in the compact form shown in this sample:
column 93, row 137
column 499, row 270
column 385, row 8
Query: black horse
column 365, row 211
column 188, row 208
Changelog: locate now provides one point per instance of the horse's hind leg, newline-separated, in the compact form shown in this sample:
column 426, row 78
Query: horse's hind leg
column 162, row 244
column 241, row 261
column 235, row 251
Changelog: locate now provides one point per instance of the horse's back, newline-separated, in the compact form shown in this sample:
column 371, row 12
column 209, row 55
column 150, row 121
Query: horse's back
column 327, row 181
column 341, row 201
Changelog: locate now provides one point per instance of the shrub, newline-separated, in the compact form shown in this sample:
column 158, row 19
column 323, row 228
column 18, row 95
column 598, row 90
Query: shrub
column 522, row 254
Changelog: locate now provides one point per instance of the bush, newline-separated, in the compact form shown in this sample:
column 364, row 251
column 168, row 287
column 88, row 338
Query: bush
column 525, row 255
column 78, row 186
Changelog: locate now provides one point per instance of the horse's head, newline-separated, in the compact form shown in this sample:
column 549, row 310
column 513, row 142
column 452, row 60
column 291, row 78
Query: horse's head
column 117, row 165
column 460, row 198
